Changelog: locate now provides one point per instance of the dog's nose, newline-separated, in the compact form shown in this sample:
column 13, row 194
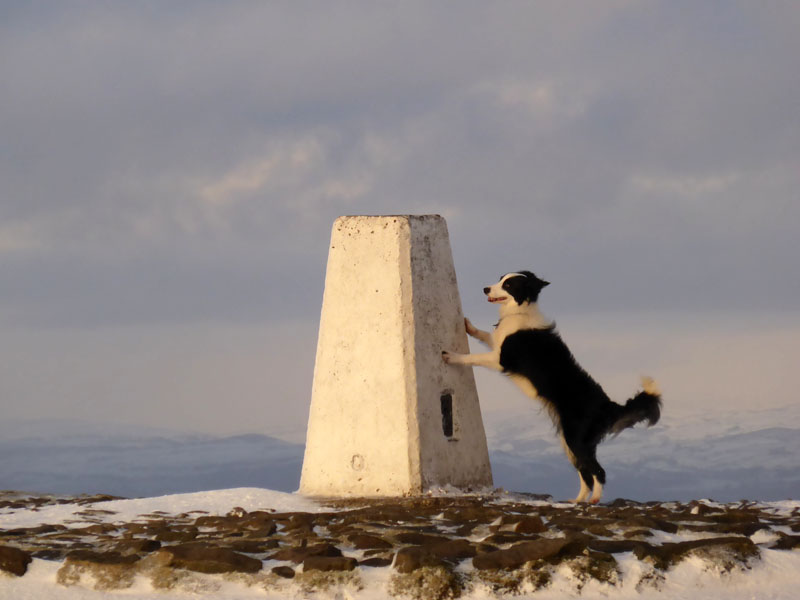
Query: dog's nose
column 486, row 291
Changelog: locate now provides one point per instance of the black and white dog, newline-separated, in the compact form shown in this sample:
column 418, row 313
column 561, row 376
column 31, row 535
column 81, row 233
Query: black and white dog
column 527, row 348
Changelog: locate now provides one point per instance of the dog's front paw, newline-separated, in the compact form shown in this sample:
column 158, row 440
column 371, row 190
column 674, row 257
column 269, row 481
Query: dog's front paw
column 471, row 329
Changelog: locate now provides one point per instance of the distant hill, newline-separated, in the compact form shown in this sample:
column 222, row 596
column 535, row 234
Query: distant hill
column 726, row 459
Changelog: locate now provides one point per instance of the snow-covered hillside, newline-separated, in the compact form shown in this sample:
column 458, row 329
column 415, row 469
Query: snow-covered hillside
column 725, row 456
column 70, row 457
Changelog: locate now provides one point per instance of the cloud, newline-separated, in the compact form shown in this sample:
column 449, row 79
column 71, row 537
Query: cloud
column 177, row 167
column 623, row 138
column 281, row 165
column 18, row 237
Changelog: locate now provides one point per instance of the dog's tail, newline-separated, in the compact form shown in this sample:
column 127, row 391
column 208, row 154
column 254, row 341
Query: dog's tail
column 644, row 406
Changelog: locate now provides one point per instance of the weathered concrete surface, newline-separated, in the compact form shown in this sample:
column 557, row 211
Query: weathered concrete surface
column 376, row 425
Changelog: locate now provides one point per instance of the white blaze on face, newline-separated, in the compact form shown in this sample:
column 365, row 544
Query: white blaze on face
column 497, row 293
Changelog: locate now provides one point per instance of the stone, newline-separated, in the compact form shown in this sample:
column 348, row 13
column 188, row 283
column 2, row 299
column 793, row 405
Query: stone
column 251, row 546
column 416, row 557
column 738, row 550
column 136, row 546
column 299, row 554
column 177, row 535
column 368, row 542
column 375, row 561
column 453, row 550
column 388, row 417
column 786, row 542
column 528, row 525
column 108, row 570
column 519, row 554
column 649, row 523
column 205, row 558
column 418, row 539
column 217, row 522
column 505, row 537
column 283, row 571
column 14, row 561
column 614, row 546
column 329, row 563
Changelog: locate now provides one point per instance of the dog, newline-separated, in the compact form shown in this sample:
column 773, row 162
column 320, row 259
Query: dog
column 526, row 346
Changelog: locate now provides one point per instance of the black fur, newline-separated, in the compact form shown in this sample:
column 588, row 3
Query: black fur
column 581, row 410
column 525, row 288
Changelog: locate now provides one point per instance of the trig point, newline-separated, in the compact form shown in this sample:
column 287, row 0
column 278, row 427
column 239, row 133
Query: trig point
column 388, row 417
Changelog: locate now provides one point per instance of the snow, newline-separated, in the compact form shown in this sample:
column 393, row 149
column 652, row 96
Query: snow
column 219, row 502
column 774, row 576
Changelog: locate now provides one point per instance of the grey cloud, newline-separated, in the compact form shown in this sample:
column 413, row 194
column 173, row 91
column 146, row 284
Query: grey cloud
column 621, row 142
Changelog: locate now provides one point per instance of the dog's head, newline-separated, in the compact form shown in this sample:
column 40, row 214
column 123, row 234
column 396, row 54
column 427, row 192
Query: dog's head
column 518, row 287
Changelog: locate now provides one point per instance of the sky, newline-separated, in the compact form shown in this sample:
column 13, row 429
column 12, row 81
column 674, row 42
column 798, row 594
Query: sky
column 169, row 174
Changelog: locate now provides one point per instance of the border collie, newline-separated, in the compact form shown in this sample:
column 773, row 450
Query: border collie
column 526, row 347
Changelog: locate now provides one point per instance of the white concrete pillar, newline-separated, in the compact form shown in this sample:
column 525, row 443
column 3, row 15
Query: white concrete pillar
column 388, row 417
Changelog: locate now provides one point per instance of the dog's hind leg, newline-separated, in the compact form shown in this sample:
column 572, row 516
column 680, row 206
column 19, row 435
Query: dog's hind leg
column 599, row 476
column 584, row 491
column 597, row 491
column 576, row 456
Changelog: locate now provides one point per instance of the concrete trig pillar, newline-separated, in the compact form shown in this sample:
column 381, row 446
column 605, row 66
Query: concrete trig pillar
column 388, row 417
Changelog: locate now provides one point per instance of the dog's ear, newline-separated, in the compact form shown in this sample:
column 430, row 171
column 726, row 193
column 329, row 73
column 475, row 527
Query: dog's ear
column 535, row 285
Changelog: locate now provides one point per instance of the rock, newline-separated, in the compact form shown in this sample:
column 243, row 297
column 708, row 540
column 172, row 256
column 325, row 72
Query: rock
column 453, row 550
column 96, row 529
column 418, row 539
column 50, row 554
column 108, row 570
column 14, row 560
column 415, row 557
column 505, row 537
column 647, row 522
column 729, row 551
column 368, row 542
column 426, row 583
column 251, row 546
column 375, row 561
column 177, row 535
column 300, row 522
column 622, row 502
column 136, row 546
column 519, row 554
column 634, row 533
column 613, row 546
column 596, row 565
column 204, row 558
column 263, row 523
column 298, row 555
column 329, row 563
column 529, row 524
column 786, row 542
column 283, row 571
column 217, row 522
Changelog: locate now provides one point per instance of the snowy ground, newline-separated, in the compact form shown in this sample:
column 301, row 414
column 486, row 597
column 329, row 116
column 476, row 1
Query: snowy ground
column 774, row 575
column 743, row 455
